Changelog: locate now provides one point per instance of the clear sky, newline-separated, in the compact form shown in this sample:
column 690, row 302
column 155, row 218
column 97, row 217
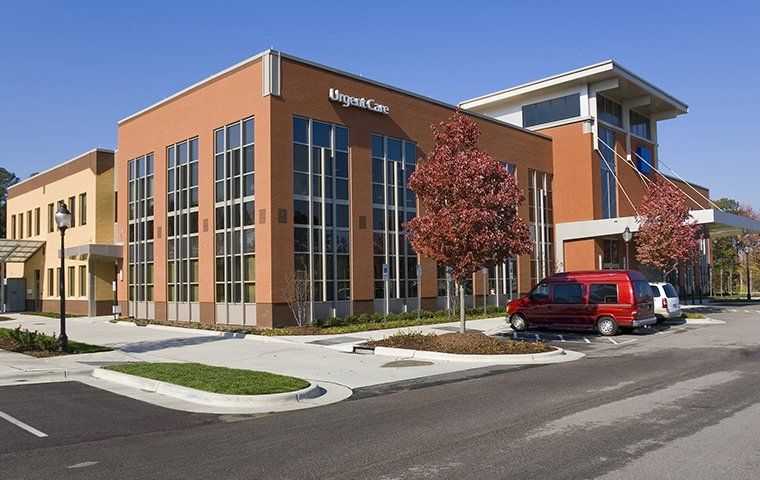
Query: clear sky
column 69, row 70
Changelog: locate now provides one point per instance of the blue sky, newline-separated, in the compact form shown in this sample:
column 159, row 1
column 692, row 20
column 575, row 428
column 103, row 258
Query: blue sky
column 70, row 70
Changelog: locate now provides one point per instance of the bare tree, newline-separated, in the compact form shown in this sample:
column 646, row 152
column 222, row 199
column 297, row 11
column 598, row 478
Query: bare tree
column 297, row 293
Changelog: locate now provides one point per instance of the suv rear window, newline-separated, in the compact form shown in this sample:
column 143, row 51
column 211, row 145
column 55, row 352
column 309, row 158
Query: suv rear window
column 655, row 291
column 568, row 293
column 602, row 293
column 670, row 292
column 641, row 291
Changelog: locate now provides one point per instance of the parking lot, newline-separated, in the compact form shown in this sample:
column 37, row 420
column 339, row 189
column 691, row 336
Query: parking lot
column 50, row 414
column 590, row 341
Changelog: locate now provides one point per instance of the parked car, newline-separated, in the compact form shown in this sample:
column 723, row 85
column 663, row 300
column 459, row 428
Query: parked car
column 604, row 301
column 666, row 302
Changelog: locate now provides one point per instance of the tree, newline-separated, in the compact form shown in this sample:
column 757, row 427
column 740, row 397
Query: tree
column 298, row 296
column 6, row 180
column 668, row 235
column 469, row 203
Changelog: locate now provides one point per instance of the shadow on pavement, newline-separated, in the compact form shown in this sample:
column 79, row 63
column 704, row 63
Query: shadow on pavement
column 150, row 346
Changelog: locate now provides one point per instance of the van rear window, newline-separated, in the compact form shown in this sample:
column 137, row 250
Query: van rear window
column 602, row 293
column 642, row 291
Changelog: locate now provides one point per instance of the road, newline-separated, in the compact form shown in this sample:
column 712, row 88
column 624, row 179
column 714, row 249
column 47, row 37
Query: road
column 682, row 404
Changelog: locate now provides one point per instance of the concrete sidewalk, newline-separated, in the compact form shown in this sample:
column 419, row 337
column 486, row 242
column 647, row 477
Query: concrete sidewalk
column 295, row 355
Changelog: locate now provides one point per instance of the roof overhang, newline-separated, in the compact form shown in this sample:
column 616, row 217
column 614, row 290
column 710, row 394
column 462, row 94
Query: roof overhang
column 18, row 251
column 629, row 87
column 717, row 222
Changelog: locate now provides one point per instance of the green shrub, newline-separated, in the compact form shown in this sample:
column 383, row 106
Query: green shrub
column 28, row 341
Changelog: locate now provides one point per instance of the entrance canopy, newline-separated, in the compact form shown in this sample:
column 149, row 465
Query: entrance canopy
column 18, row 251
column 717, row 222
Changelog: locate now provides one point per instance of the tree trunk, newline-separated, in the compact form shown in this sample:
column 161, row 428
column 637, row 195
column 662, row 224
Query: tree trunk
column 462, row 326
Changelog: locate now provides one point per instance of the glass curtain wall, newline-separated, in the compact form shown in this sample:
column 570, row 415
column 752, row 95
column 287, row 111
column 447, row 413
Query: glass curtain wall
column 235, row 243
column 393, row 204
column 140, row 248
column 540, row 214
column 321, row 208
column 182, row 221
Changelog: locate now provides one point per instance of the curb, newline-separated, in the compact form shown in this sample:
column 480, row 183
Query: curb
column 258, row 402
column 557, row 355
column 62, row 374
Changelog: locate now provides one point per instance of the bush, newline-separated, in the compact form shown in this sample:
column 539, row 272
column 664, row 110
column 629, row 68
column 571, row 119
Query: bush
column 28, row 341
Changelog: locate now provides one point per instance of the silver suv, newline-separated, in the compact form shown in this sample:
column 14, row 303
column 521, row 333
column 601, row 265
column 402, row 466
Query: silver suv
column 666, row 303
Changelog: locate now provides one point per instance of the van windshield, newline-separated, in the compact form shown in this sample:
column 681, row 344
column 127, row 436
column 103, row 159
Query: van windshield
column 642, row 291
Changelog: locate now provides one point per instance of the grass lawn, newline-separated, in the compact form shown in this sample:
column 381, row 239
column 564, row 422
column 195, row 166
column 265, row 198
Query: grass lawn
column 467, row 343
column 687, row 314
column 38, row 344
column 229, row 381
column 51, row 314
column 340, row 325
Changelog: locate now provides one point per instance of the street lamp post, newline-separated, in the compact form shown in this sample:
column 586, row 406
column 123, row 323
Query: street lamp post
column 627, row 237
column 63, row 221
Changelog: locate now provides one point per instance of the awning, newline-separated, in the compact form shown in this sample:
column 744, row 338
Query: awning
column 18, row 251
column 718, row 223
column 101, row 250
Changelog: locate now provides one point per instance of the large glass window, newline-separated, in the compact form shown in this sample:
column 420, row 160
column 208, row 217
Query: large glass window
column 552, row 110
column 321, row 213
column 609, row 111
column 234, row 168
column 541, row 216
column 140, row 207
column 182, row 221
column 640, row 125
column 609, row 190
column 393, row 204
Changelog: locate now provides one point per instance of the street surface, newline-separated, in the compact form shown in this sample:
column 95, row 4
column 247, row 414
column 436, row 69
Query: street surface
column 680, row 403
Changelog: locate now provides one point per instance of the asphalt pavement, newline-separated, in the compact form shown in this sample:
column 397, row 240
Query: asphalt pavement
column 677, row 405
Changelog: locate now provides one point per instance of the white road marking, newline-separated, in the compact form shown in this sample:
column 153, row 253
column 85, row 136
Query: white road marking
column 82, row 465
column 561, row 338
column 612, row 341
column 587, row 340
column 22, row 425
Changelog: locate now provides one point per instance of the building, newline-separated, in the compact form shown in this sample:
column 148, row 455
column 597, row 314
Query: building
column 278, row 165
column 603, row 120
column 31, row 251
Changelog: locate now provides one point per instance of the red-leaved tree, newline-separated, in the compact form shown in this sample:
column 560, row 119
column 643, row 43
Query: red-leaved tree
column 470, row 202
column 667, row 235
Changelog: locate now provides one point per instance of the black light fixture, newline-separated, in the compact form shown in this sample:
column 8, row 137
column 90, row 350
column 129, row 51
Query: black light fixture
column 63, row 221
column 627, row 237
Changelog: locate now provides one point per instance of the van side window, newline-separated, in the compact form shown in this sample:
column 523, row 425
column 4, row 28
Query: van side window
column 568, row 293
column 603, row 293
column 541, row 292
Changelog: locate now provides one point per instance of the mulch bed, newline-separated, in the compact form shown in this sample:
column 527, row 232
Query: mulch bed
column 468, row 343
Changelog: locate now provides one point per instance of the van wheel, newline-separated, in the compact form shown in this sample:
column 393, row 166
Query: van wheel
column 607, row 326
column 518, row 323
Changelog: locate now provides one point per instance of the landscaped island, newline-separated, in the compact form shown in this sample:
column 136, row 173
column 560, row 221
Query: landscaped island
column 463, row 343
column 39, row 344
column 230, row 381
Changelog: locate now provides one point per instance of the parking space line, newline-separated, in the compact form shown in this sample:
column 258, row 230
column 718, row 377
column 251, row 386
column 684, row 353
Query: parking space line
column 22, row 425
column 587, row 340
column 612, row 341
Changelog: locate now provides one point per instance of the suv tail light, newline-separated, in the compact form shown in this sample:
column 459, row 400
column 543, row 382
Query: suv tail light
column 664, row 302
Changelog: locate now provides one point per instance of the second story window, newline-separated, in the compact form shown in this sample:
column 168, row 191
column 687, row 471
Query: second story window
column 552, row 110
column 51, row 217
column 37, row 221
column 640, row 126
column 72, row 209
column 82, row 209
column 13, row 227
column 609, row 111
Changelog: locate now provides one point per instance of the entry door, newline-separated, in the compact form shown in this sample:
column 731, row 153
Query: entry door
column 36, row 294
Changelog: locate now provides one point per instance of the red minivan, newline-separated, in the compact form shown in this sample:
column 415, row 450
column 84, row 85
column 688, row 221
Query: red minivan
column 603, row 300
